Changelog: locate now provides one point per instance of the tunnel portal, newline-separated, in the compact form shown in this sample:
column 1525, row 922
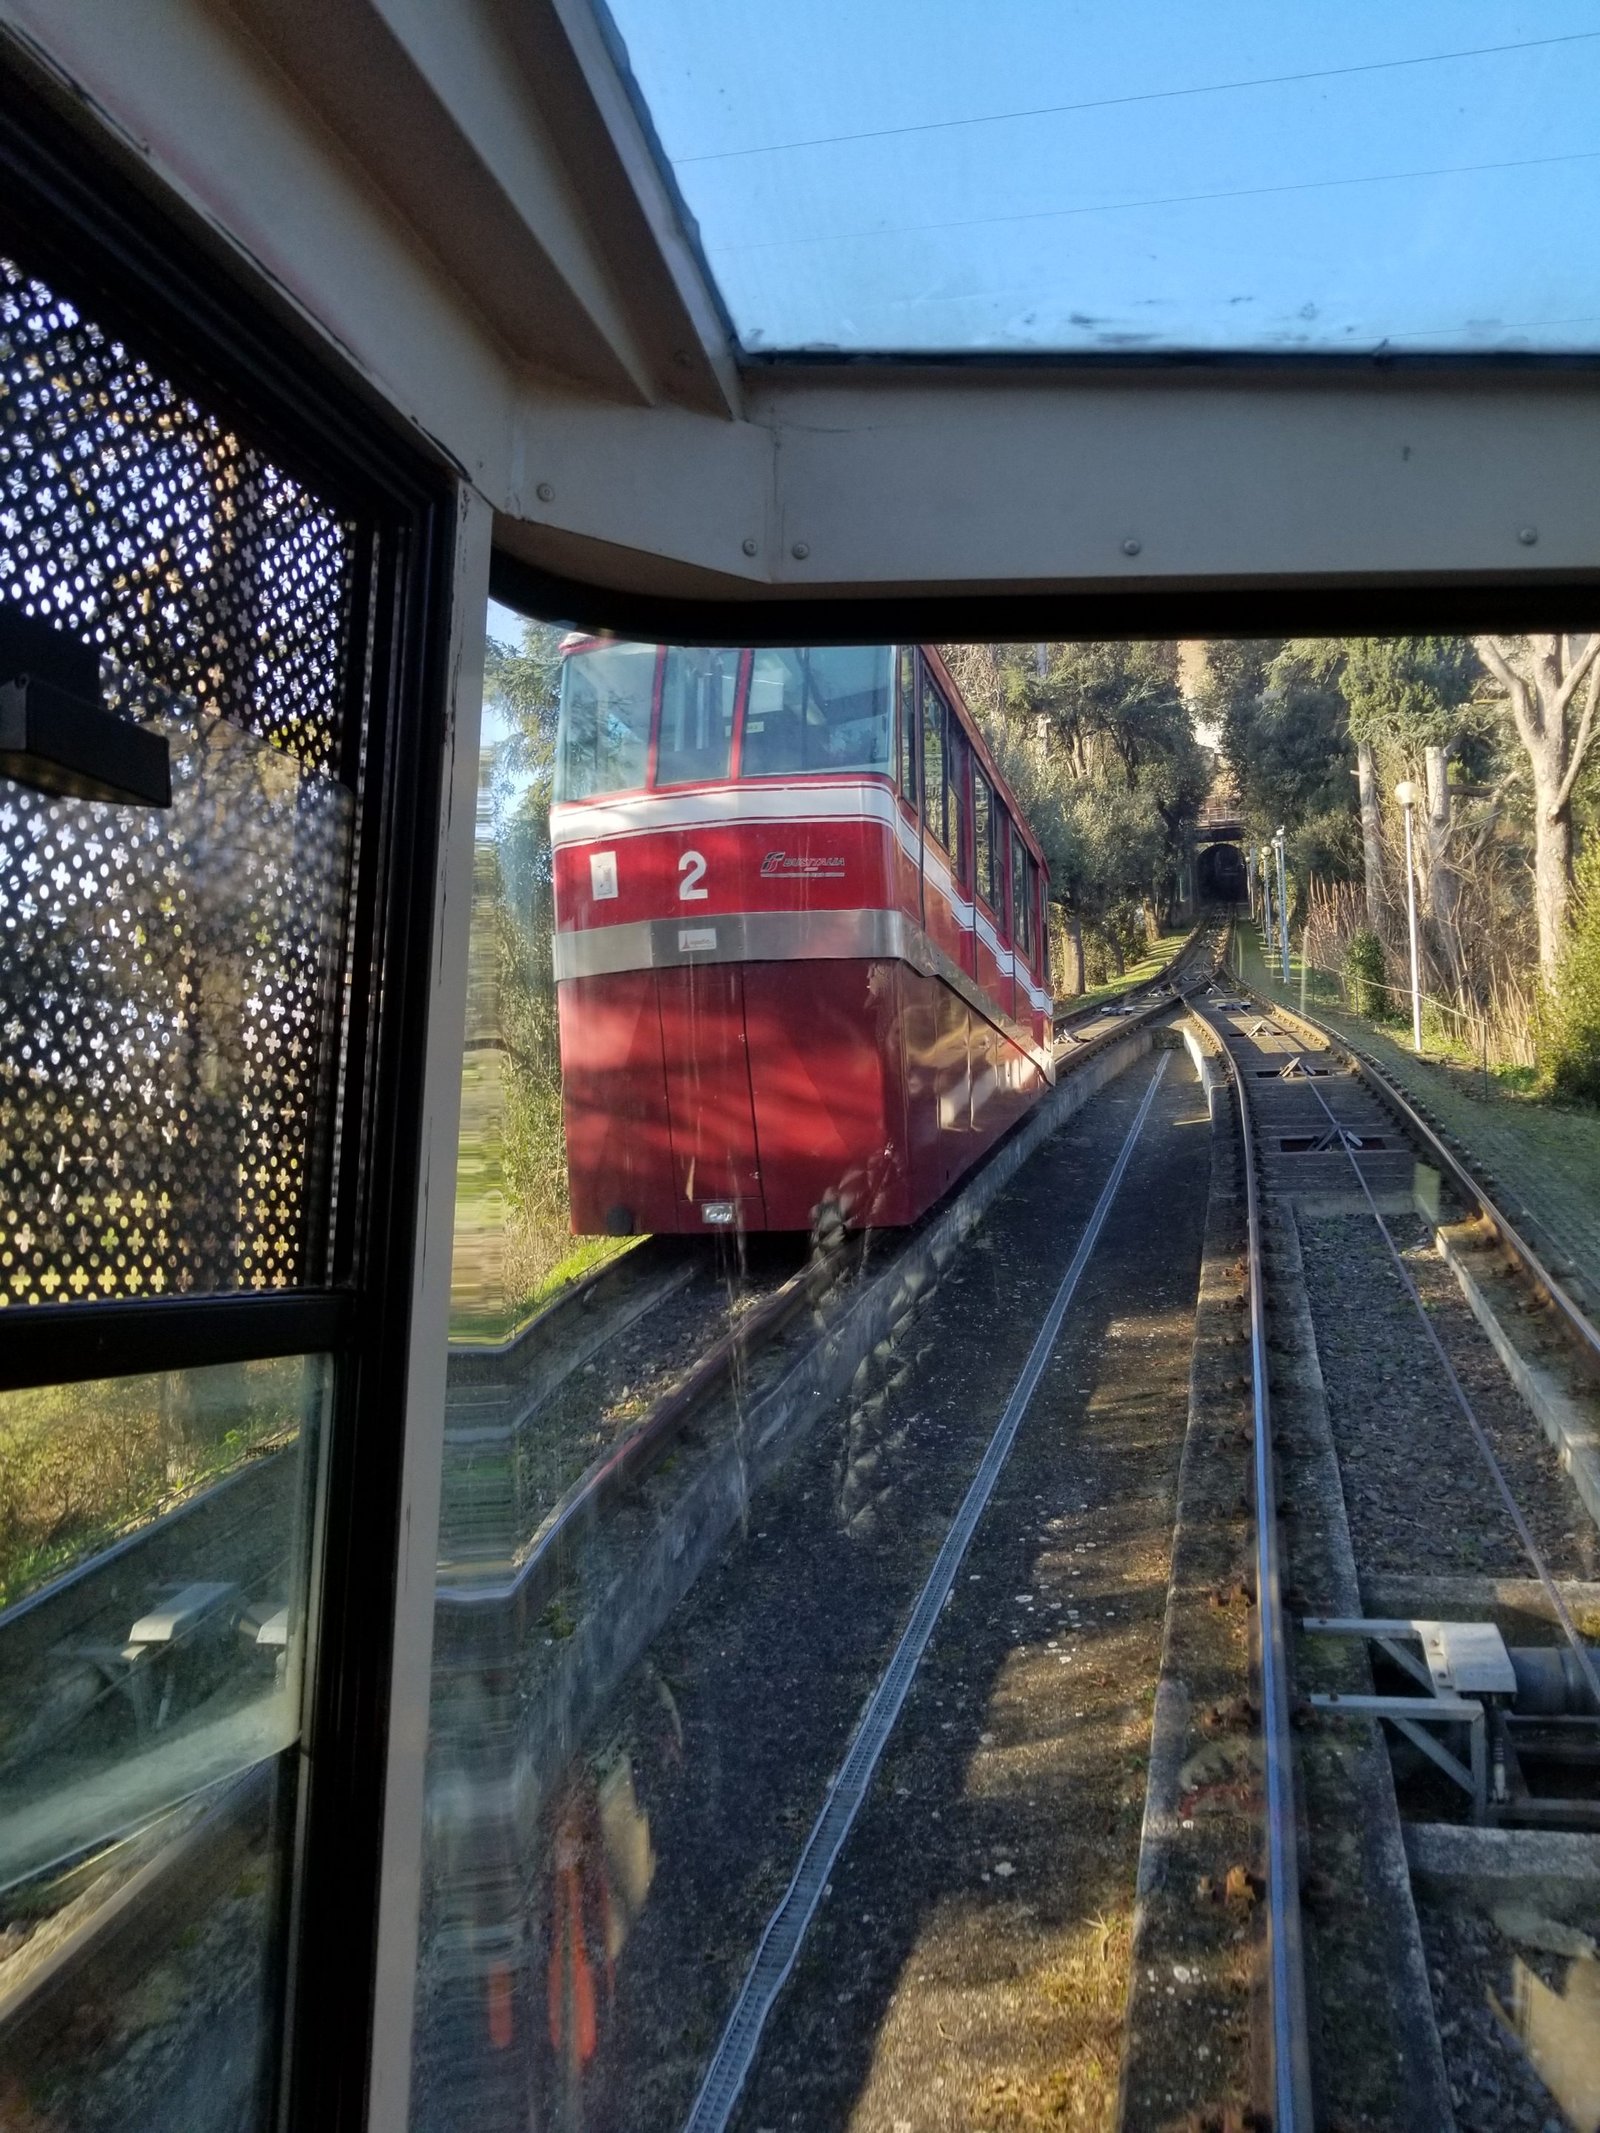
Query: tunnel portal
column 1221, row 874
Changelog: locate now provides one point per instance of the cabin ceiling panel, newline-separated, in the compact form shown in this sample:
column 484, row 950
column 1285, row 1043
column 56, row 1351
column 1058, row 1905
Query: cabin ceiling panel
column 1181, row 477
column 430, row 106
column 486, row 135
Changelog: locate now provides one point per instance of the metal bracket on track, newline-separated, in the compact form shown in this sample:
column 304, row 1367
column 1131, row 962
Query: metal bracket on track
column 1467, row 1674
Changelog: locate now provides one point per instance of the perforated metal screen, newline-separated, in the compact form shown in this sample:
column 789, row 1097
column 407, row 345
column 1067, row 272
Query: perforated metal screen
column 169, row 980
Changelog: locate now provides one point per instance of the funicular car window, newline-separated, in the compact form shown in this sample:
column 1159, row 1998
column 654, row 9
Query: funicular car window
column 1021, row 928
column 605, row 719
column 933, row 785
column 955, row 803
column 998, row 866
column 698, row 691
column 983, row 834
column 908, row 723
column 823, row 709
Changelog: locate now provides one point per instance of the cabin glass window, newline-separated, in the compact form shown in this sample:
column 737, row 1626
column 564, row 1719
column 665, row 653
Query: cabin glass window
column 933, row 781
column 908, row 723
column 606, row 697
column 208, row 996
column 828, row 708
column 1117, row 181
column 159, row 1716
column 697, row 698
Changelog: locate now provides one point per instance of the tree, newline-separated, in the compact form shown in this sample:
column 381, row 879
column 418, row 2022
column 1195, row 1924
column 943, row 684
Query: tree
column 1414, row 694
column 1285, row 730
column 1542, row 678
column 1570, row 1046
column 513, row 1020
column 1098, row 743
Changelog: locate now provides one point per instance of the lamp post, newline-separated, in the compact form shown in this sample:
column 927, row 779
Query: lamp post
column 1265, row 879
column 1406, row 793
column 1283, row 907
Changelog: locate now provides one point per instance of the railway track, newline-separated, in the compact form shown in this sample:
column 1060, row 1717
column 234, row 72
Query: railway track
column 593, row 1399
column 1422, row 1690
column 1520, row 1241
column 619, row 1551
column 731, row 1672
column 1288, row 2049
column 1198, row 954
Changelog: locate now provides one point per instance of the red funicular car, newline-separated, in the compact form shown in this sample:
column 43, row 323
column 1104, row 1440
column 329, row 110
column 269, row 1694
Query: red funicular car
column 800, row 937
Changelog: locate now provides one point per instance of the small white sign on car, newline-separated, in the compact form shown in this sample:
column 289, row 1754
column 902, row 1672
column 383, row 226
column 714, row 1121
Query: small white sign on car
column 602, row 876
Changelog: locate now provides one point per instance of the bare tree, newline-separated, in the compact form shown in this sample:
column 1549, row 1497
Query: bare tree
column 1371, row 833
column 1542, row 677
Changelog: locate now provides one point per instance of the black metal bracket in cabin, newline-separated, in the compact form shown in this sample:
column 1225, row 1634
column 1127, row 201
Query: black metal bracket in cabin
column 56, row 734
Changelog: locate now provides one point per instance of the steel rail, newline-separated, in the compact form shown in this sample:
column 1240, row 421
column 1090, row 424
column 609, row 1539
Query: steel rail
column 788, row 1925
column 1288, row 2036
column 1579, row 1328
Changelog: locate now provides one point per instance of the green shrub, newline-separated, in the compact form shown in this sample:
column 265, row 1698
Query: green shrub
column 1569, row 1032
column 1364, row 973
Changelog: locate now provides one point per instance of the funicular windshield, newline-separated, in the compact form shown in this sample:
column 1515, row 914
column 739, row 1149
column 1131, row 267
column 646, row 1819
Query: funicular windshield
column 607, row 694
column 797, row 712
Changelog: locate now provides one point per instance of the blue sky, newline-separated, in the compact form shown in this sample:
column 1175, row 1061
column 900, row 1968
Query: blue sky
column 1421, row 202
column 505, row 627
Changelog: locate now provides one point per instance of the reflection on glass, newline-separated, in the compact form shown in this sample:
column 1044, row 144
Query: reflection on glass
column 983, row 815
column 697, row 696
column 608, row 1819
column 512, row 1233
column 606, row 703
column 822, row 709
column 153, row 1553
column 957, row 756
column 907, row 690
column 933, row 778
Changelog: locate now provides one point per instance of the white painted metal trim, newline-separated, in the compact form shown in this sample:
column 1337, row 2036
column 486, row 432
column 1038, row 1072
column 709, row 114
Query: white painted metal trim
column 401, row 1889
column 639, row 814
